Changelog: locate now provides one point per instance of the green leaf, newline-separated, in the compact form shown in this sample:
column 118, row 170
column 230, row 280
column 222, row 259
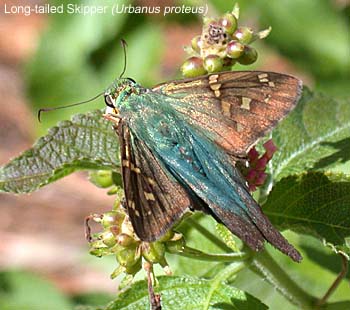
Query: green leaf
column 314, row 203
column 186, row 293
column 86, row 142
column 227, row 236
column 316, row 135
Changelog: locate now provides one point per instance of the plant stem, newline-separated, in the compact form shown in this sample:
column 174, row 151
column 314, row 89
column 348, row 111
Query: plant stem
column 266, row 266
column 336, row 282
column 196, row 254
column 222, row 276
column 154, row 299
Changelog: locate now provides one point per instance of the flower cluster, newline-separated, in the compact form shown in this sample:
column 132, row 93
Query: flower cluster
column 118, row 238
column 221, row 44
column 255, row 175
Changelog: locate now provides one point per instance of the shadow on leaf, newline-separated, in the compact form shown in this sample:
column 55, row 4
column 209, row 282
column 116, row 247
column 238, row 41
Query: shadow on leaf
column 330, row 262
column 241, row 304
column 341, row 155
column 337, row 306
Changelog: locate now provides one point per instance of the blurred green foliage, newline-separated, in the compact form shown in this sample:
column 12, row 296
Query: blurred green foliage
column 79, row 56
column 21, row 290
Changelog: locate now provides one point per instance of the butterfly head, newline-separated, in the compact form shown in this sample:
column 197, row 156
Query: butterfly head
column 117, row 92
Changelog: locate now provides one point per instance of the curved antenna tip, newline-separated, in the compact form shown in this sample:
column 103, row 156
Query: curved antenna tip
column 124, row 45
column 39, row 115
column 44, row 110
column 123, row 42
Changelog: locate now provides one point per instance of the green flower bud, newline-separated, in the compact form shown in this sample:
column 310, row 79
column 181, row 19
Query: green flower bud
column 128, row 256
column 234, row 49
column 98, row 248
column 228, row 63
column 244, row 35
column 115, row 229
column 117, row 248
column 101, row 178
column 229, row 23
column 99, row 252
column 112, row 218
column 196, row 43
column 154, row 252
column 193, row 67
column 249, row 56
column 108, row 238
column 134, row 269
column 126, row 240
column 213, row 63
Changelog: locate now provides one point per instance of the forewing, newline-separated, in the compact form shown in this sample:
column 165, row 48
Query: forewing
column 154, row 199
column 234, row 109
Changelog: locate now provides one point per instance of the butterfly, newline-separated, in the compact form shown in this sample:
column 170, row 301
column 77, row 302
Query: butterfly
column 180, row 142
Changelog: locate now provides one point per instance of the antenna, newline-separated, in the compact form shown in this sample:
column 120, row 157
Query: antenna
column 66, row 106
column 124, row 45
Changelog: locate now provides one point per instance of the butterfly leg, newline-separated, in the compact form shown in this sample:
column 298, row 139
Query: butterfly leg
column 90, row 217
column 114, row 118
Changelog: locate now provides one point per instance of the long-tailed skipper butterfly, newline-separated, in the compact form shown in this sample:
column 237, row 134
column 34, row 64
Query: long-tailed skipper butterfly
column 180, row 142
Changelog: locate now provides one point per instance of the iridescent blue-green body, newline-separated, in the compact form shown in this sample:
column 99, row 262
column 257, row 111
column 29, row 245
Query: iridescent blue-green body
column 180, row 142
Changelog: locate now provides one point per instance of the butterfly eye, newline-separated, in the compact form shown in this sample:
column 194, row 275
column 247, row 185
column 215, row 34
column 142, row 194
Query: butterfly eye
column 109, row 101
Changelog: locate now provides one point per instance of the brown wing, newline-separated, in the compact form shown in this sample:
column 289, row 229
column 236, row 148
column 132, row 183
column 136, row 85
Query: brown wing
column 235, row 109
column 155, row 201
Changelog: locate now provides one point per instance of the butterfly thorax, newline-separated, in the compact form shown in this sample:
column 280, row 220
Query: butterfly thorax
column 149, row 119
